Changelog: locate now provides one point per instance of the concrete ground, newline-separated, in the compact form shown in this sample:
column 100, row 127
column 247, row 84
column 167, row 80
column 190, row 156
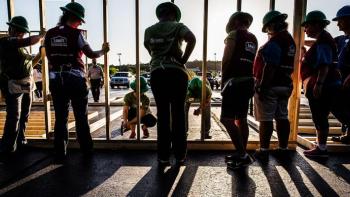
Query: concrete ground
column 32, row 172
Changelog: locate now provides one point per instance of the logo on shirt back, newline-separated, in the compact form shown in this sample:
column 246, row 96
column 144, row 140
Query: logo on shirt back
column 59, row 41
column 250, row 47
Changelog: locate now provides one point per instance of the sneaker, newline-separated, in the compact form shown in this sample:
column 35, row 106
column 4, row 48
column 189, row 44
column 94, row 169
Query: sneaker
column 240, row 163
column 316, row 152
column 262, row 155
column 132, row 135
column 345, row 139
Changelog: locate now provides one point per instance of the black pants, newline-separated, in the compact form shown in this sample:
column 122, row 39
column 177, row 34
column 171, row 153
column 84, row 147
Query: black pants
column 95, row 88
column 17, row 113
column 39, row 89
column 169, row 87
column 68, row 88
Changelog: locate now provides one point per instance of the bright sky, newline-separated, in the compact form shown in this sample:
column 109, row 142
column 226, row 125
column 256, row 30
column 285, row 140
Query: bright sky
column 122, row 21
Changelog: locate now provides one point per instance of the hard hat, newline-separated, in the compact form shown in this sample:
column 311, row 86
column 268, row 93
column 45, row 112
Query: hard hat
column 239, row 16
column 76, row 9
column 315, row 16
column 143, row 85
column 20, row 23
column 195, row 83
column 342, row 12
column 273, row 16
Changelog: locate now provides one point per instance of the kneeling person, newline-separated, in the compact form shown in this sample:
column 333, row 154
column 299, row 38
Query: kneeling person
column 130, row 107
column 194, row 94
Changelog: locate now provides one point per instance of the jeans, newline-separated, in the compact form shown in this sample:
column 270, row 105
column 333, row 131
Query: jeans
column 68, row 88
column 95, row 88
column 17, row 113
column 169, row 87
column 206, row 113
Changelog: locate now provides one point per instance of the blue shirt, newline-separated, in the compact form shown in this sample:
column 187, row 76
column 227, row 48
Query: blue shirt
column 324, row 55
column 272, row 53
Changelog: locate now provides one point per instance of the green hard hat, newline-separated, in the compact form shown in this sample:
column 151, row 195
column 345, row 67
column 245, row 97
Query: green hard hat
column 143, row 85
column 195, row 84
column 238, row 16
column 272, row 16
column 76, row 9
column 20, row 23
column 315, row 16
column 168, row 5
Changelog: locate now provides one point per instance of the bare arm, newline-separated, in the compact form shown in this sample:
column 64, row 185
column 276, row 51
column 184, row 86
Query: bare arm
column 229, row 50
column 94, row 54
column 31, row 40
column 190, row 39
column 125, row 113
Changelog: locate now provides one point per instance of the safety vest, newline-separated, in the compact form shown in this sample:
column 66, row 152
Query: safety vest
column 241, row 63
column 283, row 71
column 309, row 67
column 62, row 48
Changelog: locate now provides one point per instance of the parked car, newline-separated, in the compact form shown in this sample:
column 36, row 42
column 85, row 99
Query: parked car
column 212, row 81
column 121, row 79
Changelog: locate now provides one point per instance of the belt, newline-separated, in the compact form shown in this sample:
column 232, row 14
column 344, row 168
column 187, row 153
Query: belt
column 65, row 69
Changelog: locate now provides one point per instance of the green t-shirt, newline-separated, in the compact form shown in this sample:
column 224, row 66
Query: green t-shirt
column 195, row 95
column 15, row 62
column 130, row 100
column 165, row 39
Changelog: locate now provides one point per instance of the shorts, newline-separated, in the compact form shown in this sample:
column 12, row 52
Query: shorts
column 235, row 98
column 274, row 104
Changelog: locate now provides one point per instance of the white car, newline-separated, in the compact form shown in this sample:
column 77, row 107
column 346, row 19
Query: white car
column 121, row 79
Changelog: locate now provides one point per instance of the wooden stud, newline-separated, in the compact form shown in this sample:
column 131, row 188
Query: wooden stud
column 204, row 65
column 106, row 68
column 272, row 4
column 294, row 101
column 10, row 9
column 239, row 5
column 137, row 37
column 45, row 71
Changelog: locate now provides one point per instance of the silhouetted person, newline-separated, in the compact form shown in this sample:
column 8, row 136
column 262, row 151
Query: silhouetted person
column 321, row 79
column 16, row 81
column 273, row 67
column 238, row 85
column 169, row 79
column 343, row 45
column 95, row 76
column 65, row 45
